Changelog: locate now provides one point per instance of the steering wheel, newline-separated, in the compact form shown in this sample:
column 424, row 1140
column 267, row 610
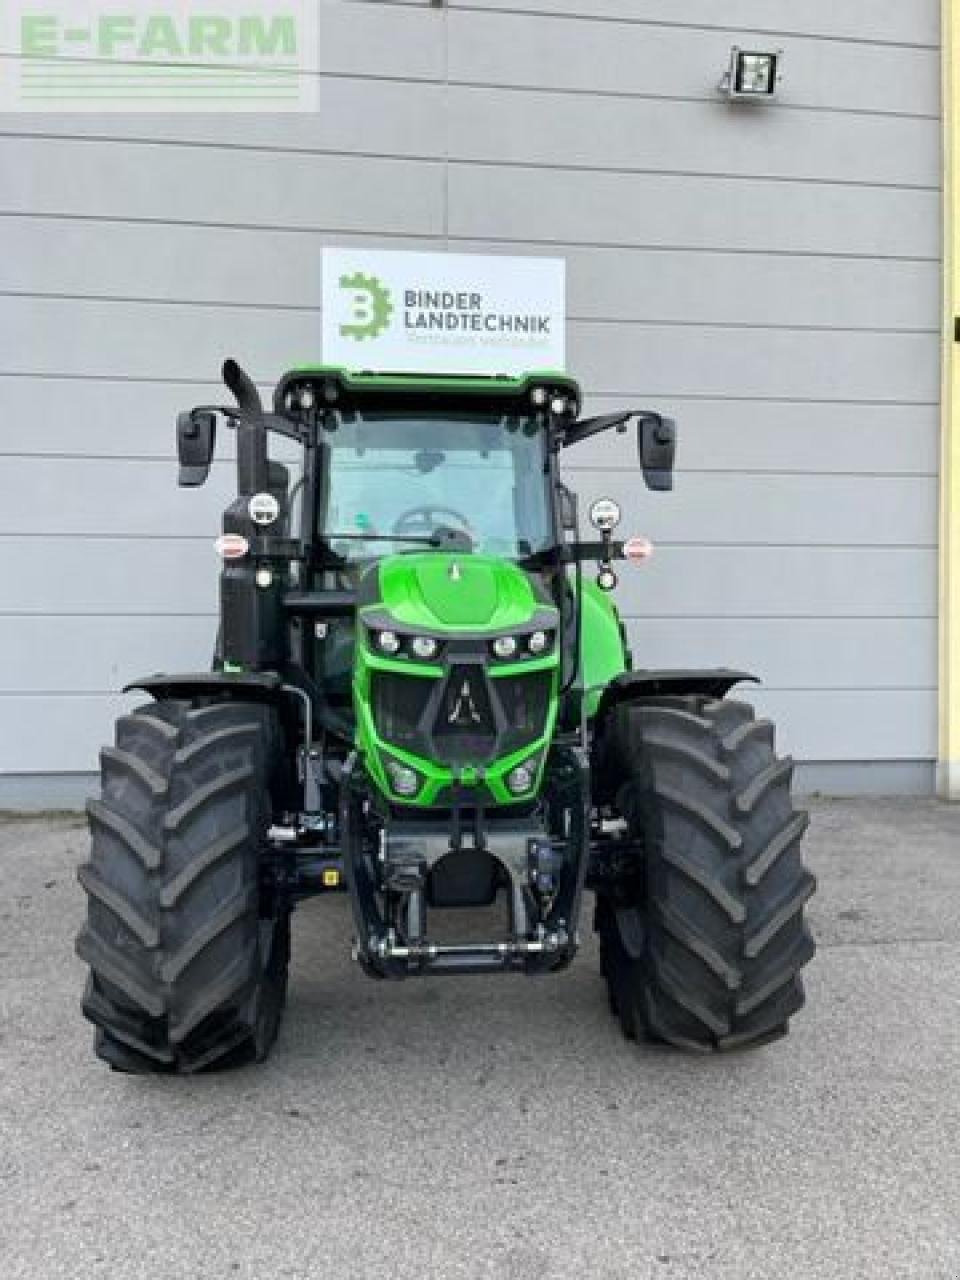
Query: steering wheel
column 425, row 518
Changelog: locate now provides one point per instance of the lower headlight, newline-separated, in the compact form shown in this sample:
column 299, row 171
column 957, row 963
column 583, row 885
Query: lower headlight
column 538, row 642
column 404, row 780
column 522, row 778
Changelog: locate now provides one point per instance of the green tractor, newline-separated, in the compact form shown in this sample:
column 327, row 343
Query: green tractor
column 420, row 699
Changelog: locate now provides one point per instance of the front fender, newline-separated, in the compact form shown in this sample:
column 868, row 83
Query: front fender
column 632, row 686
column 252, row 686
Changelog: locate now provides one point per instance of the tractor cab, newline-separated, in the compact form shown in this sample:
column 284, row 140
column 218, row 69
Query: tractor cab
column 452, row 478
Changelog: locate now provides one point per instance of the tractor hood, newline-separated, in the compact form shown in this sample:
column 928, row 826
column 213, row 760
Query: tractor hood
column 466, row 715
column 454, row 592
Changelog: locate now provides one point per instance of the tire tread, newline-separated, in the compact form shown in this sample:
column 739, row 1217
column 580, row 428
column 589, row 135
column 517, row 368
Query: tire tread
column 181, row 977
column 722, row 888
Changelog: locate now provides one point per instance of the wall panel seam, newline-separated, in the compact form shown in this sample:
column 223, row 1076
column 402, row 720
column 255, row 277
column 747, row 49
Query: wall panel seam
column 827, row 37
column 572, row 318
column 825, row 255
column 399, row 157
column 427, row 81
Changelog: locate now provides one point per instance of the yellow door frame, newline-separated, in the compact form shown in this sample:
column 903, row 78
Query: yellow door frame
column 948, row 756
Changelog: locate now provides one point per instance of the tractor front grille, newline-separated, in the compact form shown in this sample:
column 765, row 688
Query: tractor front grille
column 463, row 718
column 526, row 702
column 399, row 708
column 465, row 729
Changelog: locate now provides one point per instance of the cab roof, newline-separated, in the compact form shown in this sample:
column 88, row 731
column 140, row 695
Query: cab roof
column 345, row 388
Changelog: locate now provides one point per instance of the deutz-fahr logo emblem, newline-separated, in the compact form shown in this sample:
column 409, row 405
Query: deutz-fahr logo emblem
column 464, row 711
column 370, row 307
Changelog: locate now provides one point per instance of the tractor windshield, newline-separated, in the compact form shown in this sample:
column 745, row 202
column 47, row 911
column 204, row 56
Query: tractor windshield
column 393, row 481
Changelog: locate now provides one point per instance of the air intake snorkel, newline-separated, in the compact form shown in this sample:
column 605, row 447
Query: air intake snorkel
column 253, row 468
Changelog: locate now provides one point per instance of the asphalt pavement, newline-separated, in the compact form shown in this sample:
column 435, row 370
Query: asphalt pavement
column 501, row 1127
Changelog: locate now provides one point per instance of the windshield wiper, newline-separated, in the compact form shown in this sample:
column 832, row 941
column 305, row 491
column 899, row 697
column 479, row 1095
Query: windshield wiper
column 444, row 536
column 427, row 540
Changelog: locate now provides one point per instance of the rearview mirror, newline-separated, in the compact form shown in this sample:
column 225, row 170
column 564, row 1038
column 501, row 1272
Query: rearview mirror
column 196, row 435
column 657, row 446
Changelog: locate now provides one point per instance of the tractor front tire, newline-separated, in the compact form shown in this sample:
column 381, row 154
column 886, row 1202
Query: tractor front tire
column 703, row 944
column 188, row 963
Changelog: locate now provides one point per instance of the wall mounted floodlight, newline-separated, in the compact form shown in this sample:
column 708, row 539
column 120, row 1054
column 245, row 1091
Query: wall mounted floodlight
column 753, row 75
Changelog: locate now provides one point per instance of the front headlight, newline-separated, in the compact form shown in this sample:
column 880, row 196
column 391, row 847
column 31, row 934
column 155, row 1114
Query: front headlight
column 424, row 647
column 539, row 642
column 505, row 647
column 388, row 642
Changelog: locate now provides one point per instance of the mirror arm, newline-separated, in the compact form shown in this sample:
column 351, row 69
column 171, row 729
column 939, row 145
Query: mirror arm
column 272, row 421
column 193, row 423
column 587, row 427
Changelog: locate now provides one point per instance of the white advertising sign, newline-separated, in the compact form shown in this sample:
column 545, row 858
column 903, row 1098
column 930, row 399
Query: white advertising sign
column 396, row 312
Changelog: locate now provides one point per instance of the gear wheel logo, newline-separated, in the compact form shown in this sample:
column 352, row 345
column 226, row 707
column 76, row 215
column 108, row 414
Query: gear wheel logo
column 371, row 308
